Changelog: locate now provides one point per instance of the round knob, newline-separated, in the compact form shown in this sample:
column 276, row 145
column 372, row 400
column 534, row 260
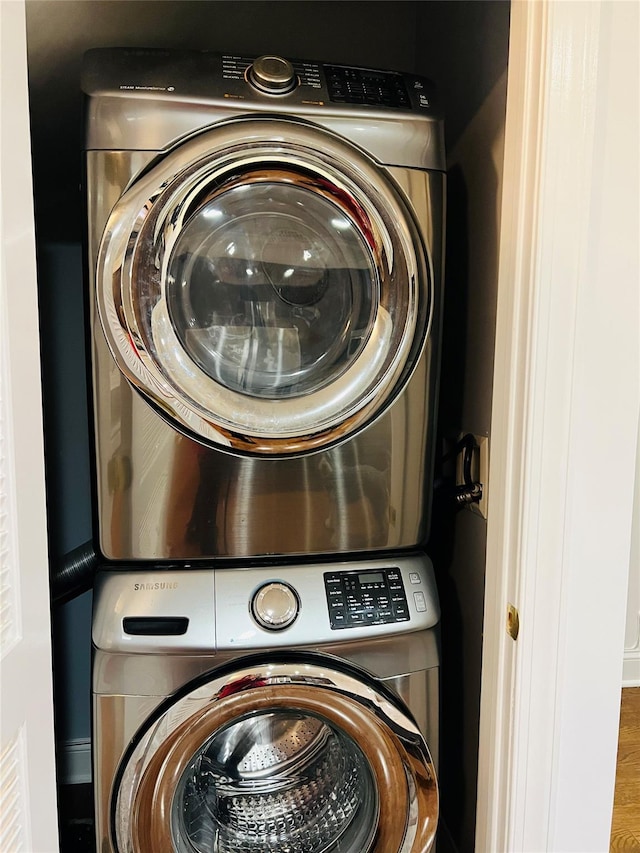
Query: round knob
column 272, row 74
column 275, row 606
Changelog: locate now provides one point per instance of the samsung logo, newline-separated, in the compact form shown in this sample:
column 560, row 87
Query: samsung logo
column 156, row 585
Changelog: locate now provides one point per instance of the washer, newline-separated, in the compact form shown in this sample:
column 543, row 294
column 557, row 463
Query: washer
column 270, row 709
column 265, row 266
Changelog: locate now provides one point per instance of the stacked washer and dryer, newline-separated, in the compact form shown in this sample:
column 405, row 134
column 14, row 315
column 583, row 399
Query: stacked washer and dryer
column 265, row 265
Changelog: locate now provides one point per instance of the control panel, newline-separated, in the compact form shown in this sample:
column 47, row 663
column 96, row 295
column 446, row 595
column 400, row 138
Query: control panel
column 259, row 607
column 339, row 84
column 151, row 99
column 265, row 69
column 253, row 80
column 361, row 86
column 358, row 598
column 275, row 75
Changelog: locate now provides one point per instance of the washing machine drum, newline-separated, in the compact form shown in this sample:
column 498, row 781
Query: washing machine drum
column 265, row 286
column 278, row 757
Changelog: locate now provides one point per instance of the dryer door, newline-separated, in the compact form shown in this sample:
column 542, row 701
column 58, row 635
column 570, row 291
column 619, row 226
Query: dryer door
column 265, row 286
column 302, row 756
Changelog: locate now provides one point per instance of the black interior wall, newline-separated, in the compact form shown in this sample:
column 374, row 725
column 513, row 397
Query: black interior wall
column 462, row 45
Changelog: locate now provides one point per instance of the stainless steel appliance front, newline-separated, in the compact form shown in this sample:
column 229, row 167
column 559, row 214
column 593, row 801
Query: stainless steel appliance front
column 265, row 316
column 214, row 732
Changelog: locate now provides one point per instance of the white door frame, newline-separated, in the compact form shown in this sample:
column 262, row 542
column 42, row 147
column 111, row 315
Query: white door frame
column 565, row 416
column 28, row 817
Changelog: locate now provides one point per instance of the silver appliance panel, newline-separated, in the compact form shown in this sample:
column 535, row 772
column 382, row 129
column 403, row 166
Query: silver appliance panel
column 133, row 675
column 270, row 297
column 210, row 610
column 151, row 99
column 152, row 481
column 145, row 790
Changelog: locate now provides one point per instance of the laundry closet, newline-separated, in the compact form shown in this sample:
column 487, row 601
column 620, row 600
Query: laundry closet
column 461, row 46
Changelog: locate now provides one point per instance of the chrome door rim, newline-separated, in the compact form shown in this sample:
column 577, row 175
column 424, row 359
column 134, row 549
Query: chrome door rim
column 389, row 739
column 146, row 222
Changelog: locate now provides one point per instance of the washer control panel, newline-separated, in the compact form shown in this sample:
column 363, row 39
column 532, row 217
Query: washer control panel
column 374, row 597
column 270, row 606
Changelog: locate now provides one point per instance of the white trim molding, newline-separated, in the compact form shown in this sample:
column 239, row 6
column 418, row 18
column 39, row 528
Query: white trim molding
column 565, row 416
column 28, row 818
column 631, row 665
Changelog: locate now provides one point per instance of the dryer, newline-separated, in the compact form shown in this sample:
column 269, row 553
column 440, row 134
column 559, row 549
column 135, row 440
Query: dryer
column 265, row 268
column 290, row 707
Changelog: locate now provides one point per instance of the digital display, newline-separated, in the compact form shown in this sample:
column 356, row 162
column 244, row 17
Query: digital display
column 371, row 577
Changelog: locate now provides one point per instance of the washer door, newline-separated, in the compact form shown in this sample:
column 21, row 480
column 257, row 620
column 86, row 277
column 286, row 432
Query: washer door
column 300, row 757
column 265, row 286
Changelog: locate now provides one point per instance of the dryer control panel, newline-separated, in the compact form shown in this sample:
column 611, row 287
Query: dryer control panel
column 269, row 79
column 149, row 99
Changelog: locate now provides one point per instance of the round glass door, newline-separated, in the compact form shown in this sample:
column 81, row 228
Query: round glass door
column 291, row 756
column 270, row 296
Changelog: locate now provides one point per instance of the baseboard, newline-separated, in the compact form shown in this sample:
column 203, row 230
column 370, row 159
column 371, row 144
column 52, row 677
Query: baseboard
column 75, row 762
column 631, row 669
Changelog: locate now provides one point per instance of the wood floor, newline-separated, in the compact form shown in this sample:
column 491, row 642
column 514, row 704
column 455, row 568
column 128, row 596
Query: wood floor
column 625, row 828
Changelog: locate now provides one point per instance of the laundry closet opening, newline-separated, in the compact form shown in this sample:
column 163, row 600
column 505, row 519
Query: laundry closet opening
column 462, row 47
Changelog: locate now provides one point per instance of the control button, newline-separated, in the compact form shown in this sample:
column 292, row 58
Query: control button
column 401, row 610
column 272, row 74
column 420, row 601
column 275, row 606
column 414, row 577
